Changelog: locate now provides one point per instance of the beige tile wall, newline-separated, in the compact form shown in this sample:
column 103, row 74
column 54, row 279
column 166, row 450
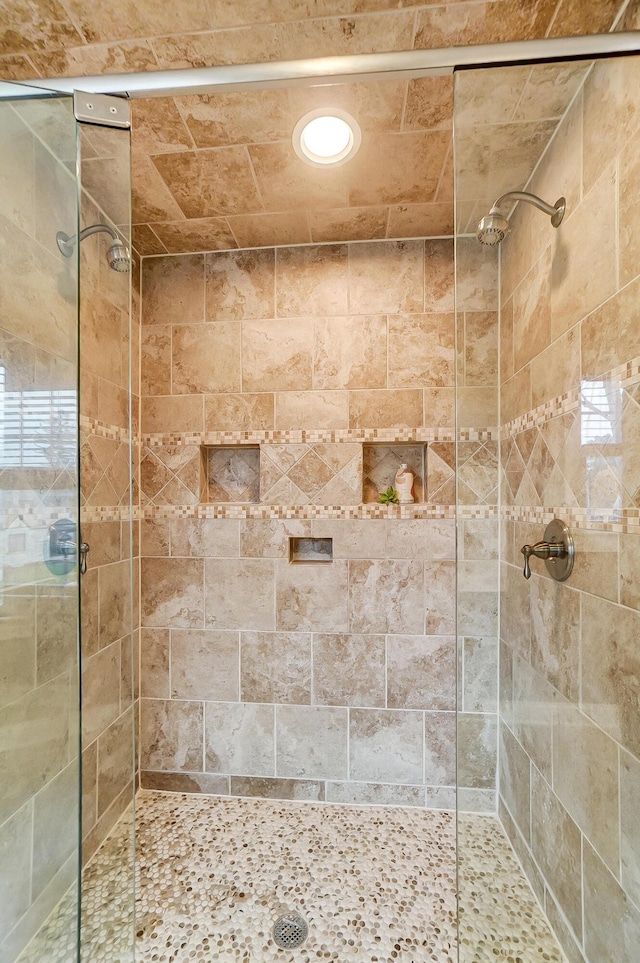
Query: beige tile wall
column 569, row 666
column 318, row 681
column 332, row 336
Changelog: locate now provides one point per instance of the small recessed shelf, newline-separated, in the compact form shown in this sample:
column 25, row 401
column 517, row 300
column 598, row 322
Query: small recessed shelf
column 381, row 461
column 303, row 550
column 232, row 474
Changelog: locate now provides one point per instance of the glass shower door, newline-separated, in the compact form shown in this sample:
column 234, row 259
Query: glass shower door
column 39, row 599
column 549, row 855
column 107, row 447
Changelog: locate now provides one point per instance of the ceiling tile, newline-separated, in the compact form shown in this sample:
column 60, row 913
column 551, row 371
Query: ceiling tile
column 151, row 199
column 249, row 117
column 245, row 45
column 491, row 22
column 115, row 58
column 157, row 126
column 420, row 220
column 268, row 230
column 210, row 182
column 17, row 67
column 429, row 103
column 574, row 15
column 233, row 13
column 197, row 234
column 120, row 19
column 397, row 168
column 376, row 106
column 487, row 96
column 28, row 26
column 286, row 183
column 348, row 224
column 102, row 22
column 338, row 36
column 145, row 242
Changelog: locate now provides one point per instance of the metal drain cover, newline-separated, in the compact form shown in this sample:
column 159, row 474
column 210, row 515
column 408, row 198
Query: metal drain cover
column 290, row 931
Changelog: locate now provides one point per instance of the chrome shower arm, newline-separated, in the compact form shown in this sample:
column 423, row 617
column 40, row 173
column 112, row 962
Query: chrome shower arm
column 549, row 209
column 67, row 243
column 98, row 229
column 525, row 196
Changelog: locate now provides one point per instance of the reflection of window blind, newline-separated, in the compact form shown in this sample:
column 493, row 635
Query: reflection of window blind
column 600, row 410
column 37, row 428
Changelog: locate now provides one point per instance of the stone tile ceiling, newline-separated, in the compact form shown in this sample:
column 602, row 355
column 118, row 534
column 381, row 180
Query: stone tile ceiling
column 218, row 172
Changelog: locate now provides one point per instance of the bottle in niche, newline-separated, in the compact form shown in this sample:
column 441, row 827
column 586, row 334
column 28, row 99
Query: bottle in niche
column 404, row 485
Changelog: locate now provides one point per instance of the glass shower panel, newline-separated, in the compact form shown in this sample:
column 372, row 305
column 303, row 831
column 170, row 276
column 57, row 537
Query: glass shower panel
column 39, row 700
column 108, row 697
column 569, row 427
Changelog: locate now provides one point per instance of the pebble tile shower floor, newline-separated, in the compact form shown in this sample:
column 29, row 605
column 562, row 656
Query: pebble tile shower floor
column 372, row 883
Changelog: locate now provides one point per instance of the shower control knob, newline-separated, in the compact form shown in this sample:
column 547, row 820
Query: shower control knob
column 557, row 550
column 541, row 550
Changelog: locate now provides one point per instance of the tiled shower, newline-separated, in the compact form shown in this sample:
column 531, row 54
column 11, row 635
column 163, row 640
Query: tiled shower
column 325, row 358
column 303, row 711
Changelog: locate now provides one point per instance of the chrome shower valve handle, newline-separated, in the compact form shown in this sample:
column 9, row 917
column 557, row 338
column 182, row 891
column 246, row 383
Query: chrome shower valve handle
column 541, row 550
column 556, row 549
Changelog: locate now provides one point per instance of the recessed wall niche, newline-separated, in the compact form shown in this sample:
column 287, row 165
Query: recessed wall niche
column 305, row 550
column 380, row 464
column 232, row 474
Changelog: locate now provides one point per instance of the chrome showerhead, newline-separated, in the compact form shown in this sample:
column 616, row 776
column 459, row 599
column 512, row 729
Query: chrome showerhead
column 119, row 258
column 492, row 229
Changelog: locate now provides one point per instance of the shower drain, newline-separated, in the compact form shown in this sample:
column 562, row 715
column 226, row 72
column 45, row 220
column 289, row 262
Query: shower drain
column 290, row 931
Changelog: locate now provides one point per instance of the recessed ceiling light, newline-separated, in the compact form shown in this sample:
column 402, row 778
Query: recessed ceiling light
column 326, row 137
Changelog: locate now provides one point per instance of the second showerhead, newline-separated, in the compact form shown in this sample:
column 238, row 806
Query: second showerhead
column 494, row 226
column 118, row 255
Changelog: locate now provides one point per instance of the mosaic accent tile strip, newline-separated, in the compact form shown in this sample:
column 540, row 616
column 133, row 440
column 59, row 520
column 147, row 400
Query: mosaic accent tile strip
column 111, row 513
column 379, row 884
column 319, row 436
column 363, row 511
column 103, row 430
column 623, row 376
column 624, row 522
column 543, row 413
column 38, row 515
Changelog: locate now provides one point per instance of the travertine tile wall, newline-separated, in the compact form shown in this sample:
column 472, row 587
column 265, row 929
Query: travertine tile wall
column 329, row 681
column 570, row 662
column 39, row 805
column 106, row 469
